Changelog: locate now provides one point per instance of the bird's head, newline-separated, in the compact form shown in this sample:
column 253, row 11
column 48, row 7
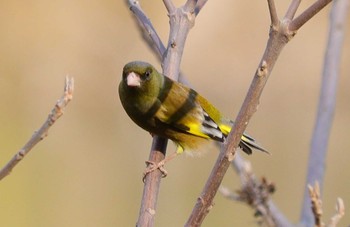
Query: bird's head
column 141, row 76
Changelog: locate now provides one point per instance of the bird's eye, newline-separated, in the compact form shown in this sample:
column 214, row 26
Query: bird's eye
column 147, row 74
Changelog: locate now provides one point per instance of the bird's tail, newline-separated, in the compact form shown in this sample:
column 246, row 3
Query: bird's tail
column 247, row 142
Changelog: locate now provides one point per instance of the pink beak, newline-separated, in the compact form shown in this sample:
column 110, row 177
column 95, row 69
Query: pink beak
column 133, row 80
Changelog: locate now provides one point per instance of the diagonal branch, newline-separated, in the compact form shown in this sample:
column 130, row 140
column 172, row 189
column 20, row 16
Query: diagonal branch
column 148, row 32
column 199, row 6
column 190, row 5
column 308, row 14
column 39, row 135
column 293, row 7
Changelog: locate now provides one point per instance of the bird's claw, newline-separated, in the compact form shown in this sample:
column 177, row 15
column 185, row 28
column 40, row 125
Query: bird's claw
column 152, row 166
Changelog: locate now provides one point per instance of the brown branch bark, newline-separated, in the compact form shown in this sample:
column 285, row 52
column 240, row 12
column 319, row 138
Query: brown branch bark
column 152, row 185
column 326, row 106
column 292, row 9
column 308, row 14
column 181, row 21
column 39, row 135
column 148, row 32
column 260, row 201
column 279, row 37
column 150, row 35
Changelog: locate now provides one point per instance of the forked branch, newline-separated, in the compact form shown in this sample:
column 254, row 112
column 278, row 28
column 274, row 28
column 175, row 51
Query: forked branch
column 181, row 21
column 279, row 37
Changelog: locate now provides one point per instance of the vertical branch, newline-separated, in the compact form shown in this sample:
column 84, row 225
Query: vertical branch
column 181, row 21
column 326, row 106
column 273, row 12
column 152, row 185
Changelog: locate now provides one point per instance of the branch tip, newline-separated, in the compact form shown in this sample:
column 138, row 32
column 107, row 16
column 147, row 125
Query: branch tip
column 40, row 134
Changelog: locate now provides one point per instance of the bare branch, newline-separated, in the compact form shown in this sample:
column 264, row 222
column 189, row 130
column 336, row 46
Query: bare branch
column 340, row 211
column 327, row 102
column 152, row 184
column 259, row 193
column 316, row 204
column 199, row 6
column 274, row 47
column 308, row 14
column 181, row 21
column 169, row 5
column 190, row 5
column 293, row 7
column 316, row 207
column 39, row 135
column 273, row 12
column 148, row 32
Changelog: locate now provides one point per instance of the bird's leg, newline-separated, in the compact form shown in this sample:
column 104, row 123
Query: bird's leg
column 152, row 166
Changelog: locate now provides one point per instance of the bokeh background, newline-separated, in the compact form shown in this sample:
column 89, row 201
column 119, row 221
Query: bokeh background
column 87, row 172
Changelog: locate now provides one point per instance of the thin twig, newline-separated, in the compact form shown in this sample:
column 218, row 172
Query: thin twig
column 147, row 30
column 169, row 5
column 327, row 102
column 308, row 14
column 256, row 193
column 273, row 13
column 339, row 213
column 199, row 6
column 39, row 135
column 271, row 215
column 294, row 5
column 316, row 204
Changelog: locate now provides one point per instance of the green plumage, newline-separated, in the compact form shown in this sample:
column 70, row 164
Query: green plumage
column 169, row 109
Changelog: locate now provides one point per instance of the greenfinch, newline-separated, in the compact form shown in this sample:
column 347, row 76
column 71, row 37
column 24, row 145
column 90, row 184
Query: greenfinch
column 172, row 110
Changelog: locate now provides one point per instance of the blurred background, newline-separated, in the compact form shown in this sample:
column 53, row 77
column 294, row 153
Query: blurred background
column 88, row 171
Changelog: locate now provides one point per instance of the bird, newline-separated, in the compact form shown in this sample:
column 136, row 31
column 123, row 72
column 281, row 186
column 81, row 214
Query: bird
column 171, row 110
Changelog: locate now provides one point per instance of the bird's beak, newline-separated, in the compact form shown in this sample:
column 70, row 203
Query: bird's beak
column 133, row 80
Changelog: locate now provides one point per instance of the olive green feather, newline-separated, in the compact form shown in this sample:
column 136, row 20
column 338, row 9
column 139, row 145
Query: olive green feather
column 169, row 109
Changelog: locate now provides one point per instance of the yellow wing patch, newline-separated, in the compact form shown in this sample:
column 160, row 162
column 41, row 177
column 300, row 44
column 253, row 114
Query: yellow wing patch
column 196, row 129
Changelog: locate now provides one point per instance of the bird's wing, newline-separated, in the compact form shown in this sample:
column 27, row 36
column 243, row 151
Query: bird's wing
column 182, row 112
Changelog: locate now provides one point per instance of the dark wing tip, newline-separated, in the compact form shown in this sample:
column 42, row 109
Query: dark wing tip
column 245, row 147
column 249, row 143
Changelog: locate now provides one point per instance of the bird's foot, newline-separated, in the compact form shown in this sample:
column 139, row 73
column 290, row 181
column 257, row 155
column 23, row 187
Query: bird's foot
column 152, row 166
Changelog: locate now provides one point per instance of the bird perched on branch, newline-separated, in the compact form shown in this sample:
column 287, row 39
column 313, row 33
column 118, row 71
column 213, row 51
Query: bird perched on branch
column 169, row 109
